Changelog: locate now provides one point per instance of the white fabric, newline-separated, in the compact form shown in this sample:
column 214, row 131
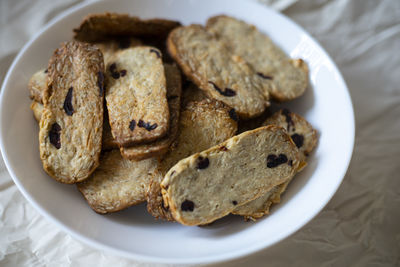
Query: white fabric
column 361, row 224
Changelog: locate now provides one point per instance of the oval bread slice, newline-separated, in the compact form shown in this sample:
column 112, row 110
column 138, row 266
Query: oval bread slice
column 305, row 138
column 214, row 70
column 71, row 124
column 287, row 78
column 211, row 184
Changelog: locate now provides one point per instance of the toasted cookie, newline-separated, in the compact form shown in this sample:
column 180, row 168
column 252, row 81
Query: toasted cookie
column 201, row 126
column 100, row 27
column 299, row 129
column 288, row 78
column 211, row 184
column 136, row 96
column 259, row 207
column 117, row 183
column 37, row 109
column 305, row 138
column 37, row 85
column 71, row 125
column 213, row 69
column 159, row 147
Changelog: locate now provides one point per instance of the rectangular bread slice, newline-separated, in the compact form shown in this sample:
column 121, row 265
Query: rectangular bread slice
column 201, row 126
column 136, row 96
column 160, row 147
column 213, row 69
column 117, row 183
column 287, row 78
column 71, row 125
column 211, row 184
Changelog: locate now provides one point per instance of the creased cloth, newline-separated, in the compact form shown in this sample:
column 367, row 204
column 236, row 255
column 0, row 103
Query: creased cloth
column 361, row 224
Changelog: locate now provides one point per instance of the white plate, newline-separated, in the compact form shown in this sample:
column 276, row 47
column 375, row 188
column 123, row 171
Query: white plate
column 134, row 233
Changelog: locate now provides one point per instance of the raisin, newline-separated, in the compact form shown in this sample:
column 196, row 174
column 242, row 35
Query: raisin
column 124, row 43
column 132, row 125
column 223, row 148
column 262, row 75
column 234, row 202
column 288, row 117
column 100, row 82
column 68, row 108
column 54, row 135
column 227, row 92
column 149, row 127
column 298, row 139
column 202, row 163
column 113, row 67
column 123, row 73
column 274, row 161
column 187, row 205
column 156, row 52
column 46, row 71
column 233, row 115
column 115, row 75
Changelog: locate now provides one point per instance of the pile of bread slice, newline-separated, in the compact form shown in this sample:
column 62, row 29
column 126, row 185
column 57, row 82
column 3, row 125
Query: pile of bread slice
column 179, row 117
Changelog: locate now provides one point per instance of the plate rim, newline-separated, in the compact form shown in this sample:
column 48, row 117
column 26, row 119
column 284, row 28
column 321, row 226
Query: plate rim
column 158, row 259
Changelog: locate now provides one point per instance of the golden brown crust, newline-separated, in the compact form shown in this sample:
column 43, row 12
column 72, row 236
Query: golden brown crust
column 71, row 125
column 202, row 125
column 211, row 184
column 117, row 183
column 286, row 78
column 99, row 27
column 160, row 147
column 136, row 96
column 223, row 77
column 37, row 85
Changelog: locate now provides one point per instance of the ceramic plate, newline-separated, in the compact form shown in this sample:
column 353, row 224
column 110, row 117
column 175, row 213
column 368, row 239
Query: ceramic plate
column 133, row 232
